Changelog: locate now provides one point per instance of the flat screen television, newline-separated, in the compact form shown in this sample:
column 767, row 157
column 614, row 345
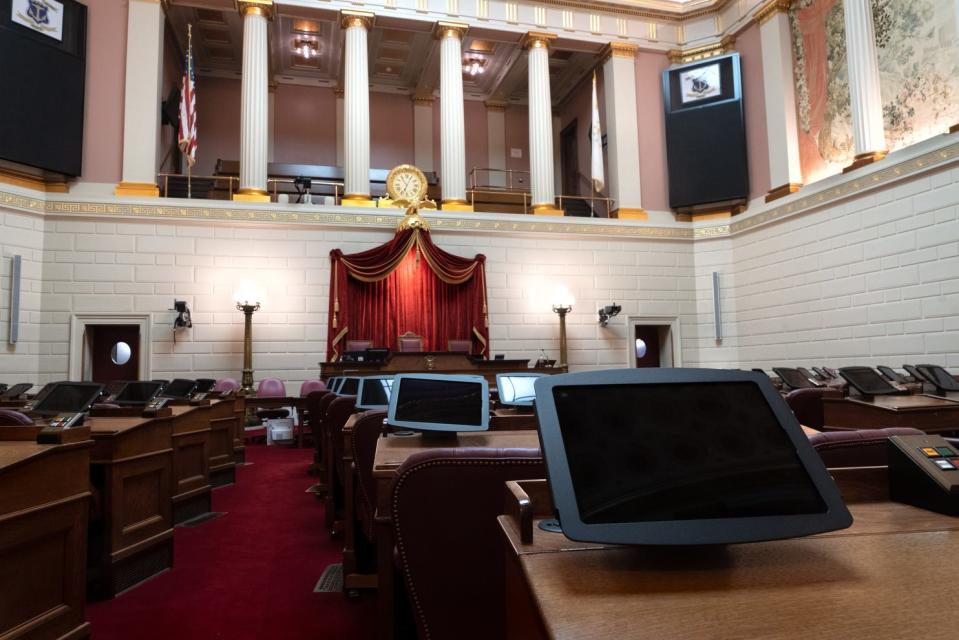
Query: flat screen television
column 793, row 379
column 374, row 392
column 349, row 386
column 866, row 381
column 16, row 391
column 68, row 397
column 135, row 393
column 939, row 377
column 435, row 402
column 178, row 388
column 680, row 457
column 516, row 389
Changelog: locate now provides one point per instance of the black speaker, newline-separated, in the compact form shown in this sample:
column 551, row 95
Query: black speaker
column 706, row 134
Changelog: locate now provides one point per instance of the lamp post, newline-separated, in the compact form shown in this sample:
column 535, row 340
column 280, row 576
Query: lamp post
column 563, row 304
column 242, row 298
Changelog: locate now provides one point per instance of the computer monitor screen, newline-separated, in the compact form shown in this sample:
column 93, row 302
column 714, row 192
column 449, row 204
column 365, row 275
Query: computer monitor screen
column 68, row 397
column 680, row 456
column 433, row 402
column 866, row 381
column 178, row 388
column 939, row 377
column 918, row 375
column 333, row 383
column 792, row 378
column 377, row 354
column 516, row 389
column 374, row 392
column 16, row 391
column 204, row 385
column 138, row 392
column 349, row 386
column 889, row 373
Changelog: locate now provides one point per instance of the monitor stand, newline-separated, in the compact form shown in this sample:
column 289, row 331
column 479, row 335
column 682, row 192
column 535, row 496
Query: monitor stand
column 551, row 526
column 439, row 437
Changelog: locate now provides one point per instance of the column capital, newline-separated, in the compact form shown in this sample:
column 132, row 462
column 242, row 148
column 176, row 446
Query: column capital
column 619, row 50
column 339, row 92
column 356, row 19
column 537, row 40
column 496, row 105
column 770, row 9
column 682, row 56
column 425, row 100
column 445, row 29
column 263, row 8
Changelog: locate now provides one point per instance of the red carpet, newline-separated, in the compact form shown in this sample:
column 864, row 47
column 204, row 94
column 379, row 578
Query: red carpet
column 248, row 574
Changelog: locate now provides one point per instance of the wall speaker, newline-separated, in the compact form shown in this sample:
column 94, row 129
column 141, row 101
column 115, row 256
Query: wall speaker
column 15, row 299
column 717, row 311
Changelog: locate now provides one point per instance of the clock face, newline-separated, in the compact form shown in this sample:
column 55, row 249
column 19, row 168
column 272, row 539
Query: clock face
column 406, row 182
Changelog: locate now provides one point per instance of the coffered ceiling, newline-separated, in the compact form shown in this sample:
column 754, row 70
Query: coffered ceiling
column 403, row 55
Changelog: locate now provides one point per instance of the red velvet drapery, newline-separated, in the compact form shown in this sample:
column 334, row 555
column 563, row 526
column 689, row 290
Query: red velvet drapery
column 407, row 284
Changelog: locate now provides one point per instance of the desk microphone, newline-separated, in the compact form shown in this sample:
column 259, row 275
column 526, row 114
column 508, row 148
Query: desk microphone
column 543, row 351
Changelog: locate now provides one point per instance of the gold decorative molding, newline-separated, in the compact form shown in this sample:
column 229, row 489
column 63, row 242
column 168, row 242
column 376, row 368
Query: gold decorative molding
column 137, row 190
column 682, row 56
column 546, row 210
column 30, row 181
column 350, row 18
column 954, row 128
column 537, row 40
column 338, row 92
column 770, row 9
column 625, row 213
column 666, row 15
column 423, row 100
column 784, row 190
column 456, row 205
column 358, row 200
column 263, row 8
column 495, row 105
column 249, row 194
column 863, row 159
column 444, row 29
column 619, row 50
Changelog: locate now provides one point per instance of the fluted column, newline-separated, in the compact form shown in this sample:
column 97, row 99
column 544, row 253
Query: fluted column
column 622, row 131
column 452, row 125
column 779, row 88
column 338, row 93
column 540, row 125
column 868, row 134
column 356, row 109
column 254, row 101
column 423, row 133
column 496, row 144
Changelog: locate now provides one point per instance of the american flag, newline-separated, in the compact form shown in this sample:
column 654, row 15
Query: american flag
column 187, row 134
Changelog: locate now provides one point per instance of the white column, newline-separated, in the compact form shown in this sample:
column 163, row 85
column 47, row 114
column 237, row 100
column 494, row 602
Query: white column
column 254, row 101
column 496, row 144
column 356, row 110
column 452, row 125
column 782, row 126
column 339, row 127
column 540, row 125
column 622, row 132
column 557, row 160
column 423, row 133
column 142, row 96
column 867, row 128
column 271, row 123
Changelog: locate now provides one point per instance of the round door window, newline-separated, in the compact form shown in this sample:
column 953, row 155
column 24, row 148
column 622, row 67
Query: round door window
column 121, row 352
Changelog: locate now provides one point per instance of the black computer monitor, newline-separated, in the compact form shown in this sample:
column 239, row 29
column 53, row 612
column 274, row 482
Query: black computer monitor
column 68, row 397
column 333, row 383
column 793, row 379
column 680, row 457
column 377, row 354
column 134, row 393
column 16, row 391
column 204, row 385
column 939, row 377
column 348, row 386
column 825, row 375
column 516, row 389
column 435, row 402
column 374, row 392
column 918, row 375
column 889, row 373
column 178, row 388
column 809, row 375
column 866, row 381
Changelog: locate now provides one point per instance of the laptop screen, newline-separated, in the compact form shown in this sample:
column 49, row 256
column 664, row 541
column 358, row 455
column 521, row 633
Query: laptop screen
column 69, row 397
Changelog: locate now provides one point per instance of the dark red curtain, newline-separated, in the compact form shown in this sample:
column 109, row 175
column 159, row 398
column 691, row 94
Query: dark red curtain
column 407, row 284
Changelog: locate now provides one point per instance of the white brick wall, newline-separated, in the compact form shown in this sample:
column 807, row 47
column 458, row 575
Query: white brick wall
column 22, row 235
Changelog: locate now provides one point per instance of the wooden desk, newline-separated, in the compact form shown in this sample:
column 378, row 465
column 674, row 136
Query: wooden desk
column 927, row 413
column 190, row 489
column 391, row 452
column 44, row 505
column 438, row 362
column 223, row 431
column 882, row 578
column 132, row 466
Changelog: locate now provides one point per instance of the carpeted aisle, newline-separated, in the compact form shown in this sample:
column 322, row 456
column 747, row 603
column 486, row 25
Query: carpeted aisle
column 248, row 574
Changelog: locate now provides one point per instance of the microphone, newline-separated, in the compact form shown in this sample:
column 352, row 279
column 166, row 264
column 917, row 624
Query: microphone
column 543, row 351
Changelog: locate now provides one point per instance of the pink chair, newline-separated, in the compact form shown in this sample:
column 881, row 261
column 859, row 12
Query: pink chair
column 359, row 345
column 459, row 346
column 224, row 385
column 302, row 427
column 268, row 388
column 271, row 388
column 409, row 342
column 11, row 418
column 310, row 386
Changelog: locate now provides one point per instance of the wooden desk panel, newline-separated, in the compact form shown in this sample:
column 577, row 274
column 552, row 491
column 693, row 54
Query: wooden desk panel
column 190, row 490
column 434, row 362
column 239, row 446
column 927, row 413
column 44, row 506
column 222, row 434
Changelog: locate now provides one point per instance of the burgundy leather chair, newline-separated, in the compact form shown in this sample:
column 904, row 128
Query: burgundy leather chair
column 806, row 405
column 444, row 508
column 359, row 551
column 310, row 386
column 409, row 342
column 319, row 409
column 11, row 418
column 226, row 384
column 337, row 414
column 860, row 448
column 459, row 346
column 303, row 427
column 359, row 345
column 271, row 388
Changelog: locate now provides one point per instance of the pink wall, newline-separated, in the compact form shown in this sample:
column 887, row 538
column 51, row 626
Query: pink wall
column 304, row 130
column 105, row 78
column 477, row 138
column 391, row 130
column 579, row 107
column 757, row 146
column 652, row 129
column 218, row 123
column 517, row 136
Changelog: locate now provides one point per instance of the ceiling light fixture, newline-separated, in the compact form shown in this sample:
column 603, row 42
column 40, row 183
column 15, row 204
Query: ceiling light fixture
column 306, row 48
column 474, row 66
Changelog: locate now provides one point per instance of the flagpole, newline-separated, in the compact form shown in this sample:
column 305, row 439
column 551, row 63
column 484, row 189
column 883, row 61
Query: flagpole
column 189, row 70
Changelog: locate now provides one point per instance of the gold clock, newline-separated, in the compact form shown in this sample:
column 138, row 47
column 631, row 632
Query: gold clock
column 406, row 182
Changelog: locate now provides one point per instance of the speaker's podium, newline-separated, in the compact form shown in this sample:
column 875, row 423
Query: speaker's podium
column 434, row 362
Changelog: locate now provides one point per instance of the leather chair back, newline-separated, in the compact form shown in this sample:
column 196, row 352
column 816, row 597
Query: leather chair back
column 366, row 432
column 226, row 384
column 409, row 342
column 359, row 345
column 310, row 386
column 444, row 508
column 459, row 346
column 337, row 414
column 806, row 405
column 860, row 448
column 11, row 418
column 271, row 388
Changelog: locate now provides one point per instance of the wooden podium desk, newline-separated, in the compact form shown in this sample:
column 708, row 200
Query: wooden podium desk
column 190, row 489
column 927, row 413
column 391, row 452
column 223, row 420
column 44, row 505
column 888, row 576
column 434, row 362
column 132, row 466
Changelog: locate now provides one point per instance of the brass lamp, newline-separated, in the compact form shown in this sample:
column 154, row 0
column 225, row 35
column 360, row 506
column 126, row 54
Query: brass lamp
column 247, row 300
column 562, row 304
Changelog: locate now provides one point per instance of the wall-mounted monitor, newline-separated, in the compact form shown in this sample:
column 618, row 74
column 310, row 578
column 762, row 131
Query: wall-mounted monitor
column 374, row 392
column 68, row 397
column 434, row 402
column 680, row 456
column 516, row 389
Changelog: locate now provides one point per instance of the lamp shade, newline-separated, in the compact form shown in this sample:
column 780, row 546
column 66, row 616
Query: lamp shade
column 248, row 293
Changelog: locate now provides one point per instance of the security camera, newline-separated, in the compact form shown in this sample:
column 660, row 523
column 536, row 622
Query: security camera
column 608, row 312
column 183, row 320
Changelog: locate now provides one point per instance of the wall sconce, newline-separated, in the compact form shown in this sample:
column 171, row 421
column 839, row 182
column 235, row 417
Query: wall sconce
column 562, row 304
column 608, row 312
column 247, row 298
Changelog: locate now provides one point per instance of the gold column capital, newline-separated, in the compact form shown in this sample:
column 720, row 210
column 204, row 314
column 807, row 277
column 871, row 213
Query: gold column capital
column 537, row 40
column 496, row 105
column 619, row 50
column 682, row 56
column 263, row 8
column 349, row 18
column 770, row 9
column 339, row 92
column 445, row 29
column 424, row 100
